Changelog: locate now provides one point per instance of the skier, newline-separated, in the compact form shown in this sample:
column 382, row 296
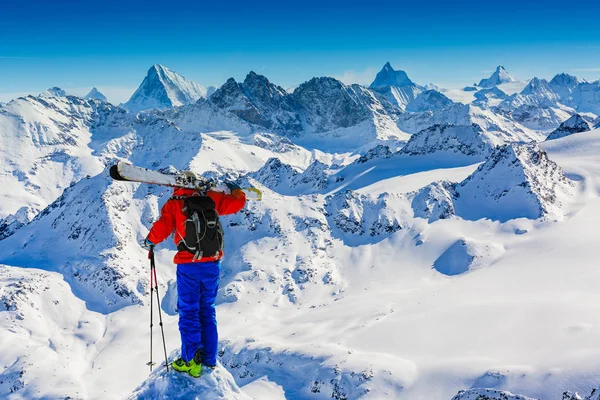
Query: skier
column 193, row 218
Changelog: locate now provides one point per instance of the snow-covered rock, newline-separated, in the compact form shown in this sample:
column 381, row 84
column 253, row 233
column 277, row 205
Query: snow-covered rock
column 53, row 92
column 499, row 76
column 395, row 86
column 357, row 216
column 428, row 100
column 259, row 102
column 491, row 96
column 85, row 235
column 495, row 123
column 489, row 394
column 163, row 88
column 575, row 124
column 388, row 76
column 214, row 384
column 379, row 151
column 537, row 106
column 275, row 173
column 284, row 178
column 469, row 140
column 565, row 85
column 434, row 201
column 329, row 104
column 516, row 181
column 95, row 94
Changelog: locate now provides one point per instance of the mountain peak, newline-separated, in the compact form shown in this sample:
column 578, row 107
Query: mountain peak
column 388, row 76
column 499, row 76
column 575, row 124
column 164, row 88
column 95, row 94
column 53, row 92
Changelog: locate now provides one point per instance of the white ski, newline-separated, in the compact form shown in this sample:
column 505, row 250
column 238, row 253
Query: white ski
column 123, row 171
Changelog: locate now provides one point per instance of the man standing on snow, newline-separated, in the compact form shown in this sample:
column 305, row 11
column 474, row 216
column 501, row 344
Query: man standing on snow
column 193, row 218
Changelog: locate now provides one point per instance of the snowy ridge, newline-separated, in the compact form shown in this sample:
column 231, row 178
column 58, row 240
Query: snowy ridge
column 428, row 100
column 575, row 124
column 469, row 140
column 163, row 88
column 516, row 181
column 488, row 394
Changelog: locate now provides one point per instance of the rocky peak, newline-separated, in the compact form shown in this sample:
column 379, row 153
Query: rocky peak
column 53, row 92
column 575, row 124
column 517, row 180
column 388, row 76
column 95, row 94
column 163, row 88
column 499, row 76
column 468, row 140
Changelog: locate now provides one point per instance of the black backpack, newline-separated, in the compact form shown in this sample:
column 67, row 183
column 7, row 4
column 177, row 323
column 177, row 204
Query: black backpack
column 203, row 231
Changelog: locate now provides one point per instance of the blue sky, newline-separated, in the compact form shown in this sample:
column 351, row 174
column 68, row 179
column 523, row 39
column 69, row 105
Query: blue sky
column 111, row 44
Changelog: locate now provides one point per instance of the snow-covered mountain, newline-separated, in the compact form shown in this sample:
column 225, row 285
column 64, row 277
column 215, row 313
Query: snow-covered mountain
column 516, row 181
column 163, row 88
column 469, row 140
column 575, row 124
column 358, row 275
column 395, row 86
column 492, row 96
column 318, row 111
column 53, row 92
column 499, row 76
column 428, row 100
column 43, row 150
column 259, row 102
column 95, row 94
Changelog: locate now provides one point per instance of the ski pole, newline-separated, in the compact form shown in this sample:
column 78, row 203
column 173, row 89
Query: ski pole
column 151, row 251
column 162, row 330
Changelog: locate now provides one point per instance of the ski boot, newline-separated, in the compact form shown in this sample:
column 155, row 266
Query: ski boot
column 192, row 367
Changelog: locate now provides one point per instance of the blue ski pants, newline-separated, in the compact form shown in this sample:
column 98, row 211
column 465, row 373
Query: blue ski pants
column 197, row 285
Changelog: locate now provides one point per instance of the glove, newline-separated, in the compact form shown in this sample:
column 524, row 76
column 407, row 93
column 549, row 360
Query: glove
column 232, row 185
column 146, row 244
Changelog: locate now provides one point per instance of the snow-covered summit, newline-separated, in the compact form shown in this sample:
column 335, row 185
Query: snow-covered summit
column 53, row 92
column 163, row 88
column 388, row 76
column 395, row 86
column 564, row 85
column 468, row 140
column 429, row 100
column 213, row 385
column 499, row 76
column 95, row 94
column 516, row 181
column 259, row 102
column 575, row 124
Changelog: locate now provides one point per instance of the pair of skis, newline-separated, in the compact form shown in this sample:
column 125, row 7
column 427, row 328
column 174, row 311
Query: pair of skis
column 123, row 171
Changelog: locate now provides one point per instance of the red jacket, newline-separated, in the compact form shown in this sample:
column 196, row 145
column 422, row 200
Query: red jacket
column 171, row 217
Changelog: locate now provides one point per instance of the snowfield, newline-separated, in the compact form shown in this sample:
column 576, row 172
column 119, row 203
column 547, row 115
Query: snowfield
column 442, row 253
